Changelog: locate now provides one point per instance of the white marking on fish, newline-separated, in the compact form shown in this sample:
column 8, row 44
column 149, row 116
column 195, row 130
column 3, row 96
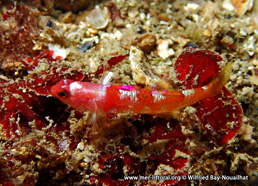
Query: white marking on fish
column 188, row 92
column 132, row 94
column 75, row 86
column 102, row 91
column 205, row 88
column 157, row 96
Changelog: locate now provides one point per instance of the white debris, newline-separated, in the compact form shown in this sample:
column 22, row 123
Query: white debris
column 117, row 35
column 249, row 46
column 191, row 6
column 80, row 146
column 99, row 18
column 64, row 145
column 227, row 5
column 163, row 50
column 240, row 7
column 58, row 51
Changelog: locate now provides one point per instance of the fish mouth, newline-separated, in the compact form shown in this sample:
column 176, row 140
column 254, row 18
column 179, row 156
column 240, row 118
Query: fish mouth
column 53, row 91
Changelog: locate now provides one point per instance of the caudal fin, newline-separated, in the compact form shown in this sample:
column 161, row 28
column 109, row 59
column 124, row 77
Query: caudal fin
column 195, row 95
column 218, row 82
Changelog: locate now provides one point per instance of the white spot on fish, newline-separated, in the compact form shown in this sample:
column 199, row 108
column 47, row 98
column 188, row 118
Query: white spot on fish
column 75, row 86
column 102, row 91
column 188, row 92
column 205, row 88
column 132, row 94
column 157, row 96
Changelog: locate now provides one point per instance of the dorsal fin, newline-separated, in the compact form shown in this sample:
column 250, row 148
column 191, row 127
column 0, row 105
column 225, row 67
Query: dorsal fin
column 106, row 78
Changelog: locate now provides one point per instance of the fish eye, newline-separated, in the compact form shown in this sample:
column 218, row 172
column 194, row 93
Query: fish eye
column 63, row 93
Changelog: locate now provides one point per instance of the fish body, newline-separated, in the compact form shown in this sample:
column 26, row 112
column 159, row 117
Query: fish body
column 86, row 96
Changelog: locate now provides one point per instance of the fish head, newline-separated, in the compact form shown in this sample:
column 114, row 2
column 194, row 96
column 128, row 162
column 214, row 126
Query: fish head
column 62, row 91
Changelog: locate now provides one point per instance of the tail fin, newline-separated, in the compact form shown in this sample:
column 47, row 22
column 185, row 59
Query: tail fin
column 212, row 89
column 218, row 82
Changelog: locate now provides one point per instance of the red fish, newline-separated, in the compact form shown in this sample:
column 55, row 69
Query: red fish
column 85, row 96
